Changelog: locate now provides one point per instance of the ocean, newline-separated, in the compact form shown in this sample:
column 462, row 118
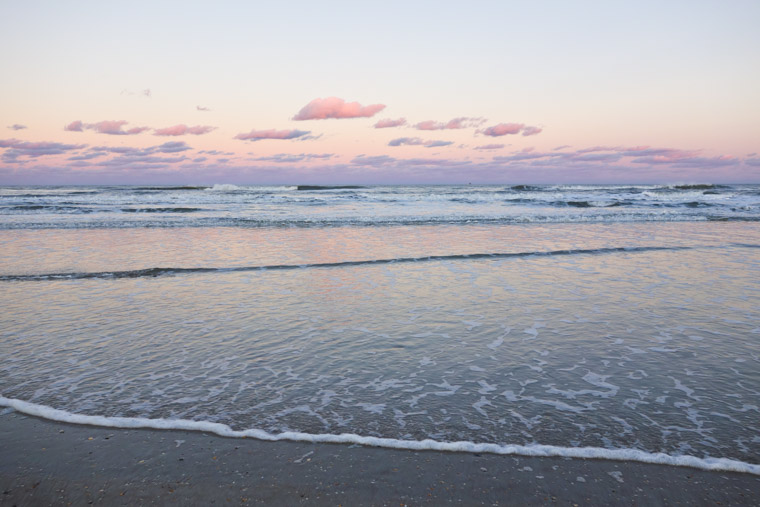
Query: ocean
column 618, row 321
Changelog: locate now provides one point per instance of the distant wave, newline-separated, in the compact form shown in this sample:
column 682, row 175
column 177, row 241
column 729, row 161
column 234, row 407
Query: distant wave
column 223, row 187
column 698, row 186
column 49, row 207
column 223, row 430
column 155, row 272
column 169, row 188
column 319, row 187
column 160, row 210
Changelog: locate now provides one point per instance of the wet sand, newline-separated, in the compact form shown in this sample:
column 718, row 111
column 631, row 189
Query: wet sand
column 51, row 463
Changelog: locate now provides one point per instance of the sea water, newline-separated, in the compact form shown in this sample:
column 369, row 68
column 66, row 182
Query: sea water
column 614, row 321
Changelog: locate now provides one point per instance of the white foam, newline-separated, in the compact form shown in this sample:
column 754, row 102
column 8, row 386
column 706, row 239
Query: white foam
column 539, row 450
column 223, row 187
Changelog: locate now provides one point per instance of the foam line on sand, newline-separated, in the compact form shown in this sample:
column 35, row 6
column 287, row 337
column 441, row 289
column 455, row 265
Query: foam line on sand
column 713, row 464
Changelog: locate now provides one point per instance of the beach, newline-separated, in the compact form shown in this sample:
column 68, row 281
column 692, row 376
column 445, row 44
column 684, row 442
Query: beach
column 52, row 463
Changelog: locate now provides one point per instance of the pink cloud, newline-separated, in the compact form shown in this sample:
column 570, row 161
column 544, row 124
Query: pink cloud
column 531, row 131
column 502, row 129
column 135, row 130
column 416, row 141
column 257, row 135
column 388, row 123
column 489, row 147
column 333, row 107
column 456, row 123
column 74, row 126
column 428, row 125
column 201, row 108
column 110, row 127
column 181, row 130
column 17, row 126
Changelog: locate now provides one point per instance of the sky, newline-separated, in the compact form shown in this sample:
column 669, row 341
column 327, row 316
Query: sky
column 390, row 92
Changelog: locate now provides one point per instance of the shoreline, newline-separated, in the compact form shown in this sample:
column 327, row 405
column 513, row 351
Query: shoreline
column 47, row 461
column 222, row 430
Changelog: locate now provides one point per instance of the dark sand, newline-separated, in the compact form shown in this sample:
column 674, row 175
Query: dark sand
column 51, row 463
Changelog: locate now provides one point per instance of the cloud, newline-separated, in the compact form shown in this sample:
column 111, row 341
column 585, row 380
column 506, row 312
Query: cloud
column 167, row 147
column 597, row 157
column 216, row 152
column 503, row 129
column 688, row 162
column 117, row 149
column 308, row 138
column 520, row 156
column 74, row 126
column 373, row 161
column 668, row 154
column 201, row 108
column 285, row 158
column 388, row 123
column 16, row 149
column 436, row 144
column 110, row 127
column 171, row 147
column 333, row 107
column 150, row 160
column 456, row 123
column 26, row 145
column 181, row 130
column 432, row 162
column 88, row 156
column 153, row 157
column 490, row 147
column 531, row 131
column 645, row 154
column 416, row 141
column 754, row 162
column 17, row 126
column 619, row 158
column 113, row 128
column 257, row 135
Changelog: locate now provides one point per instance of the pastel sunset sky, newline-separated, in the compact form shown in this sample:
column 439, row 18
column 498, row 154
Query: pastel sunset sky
column 379, row 92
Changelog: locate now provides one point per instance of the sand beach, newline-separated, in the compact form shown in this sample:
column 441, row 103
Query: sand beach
column 51, row 463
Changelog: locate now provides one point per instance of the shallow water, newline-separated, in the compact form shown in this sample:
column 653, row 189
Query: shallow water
column 656, row 348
